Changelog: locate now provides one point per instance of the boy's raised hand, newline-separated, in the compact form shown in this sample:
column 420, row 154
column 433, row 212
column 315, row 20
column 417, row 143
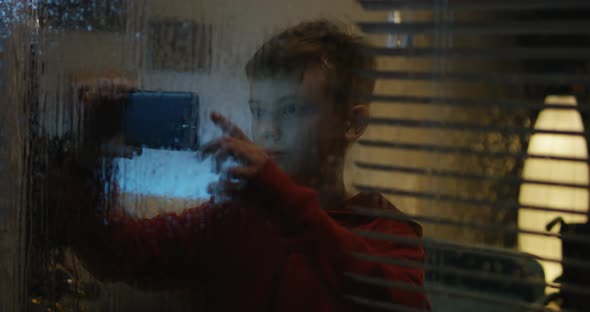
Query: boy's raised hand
column 105, row 89
column 250, row 157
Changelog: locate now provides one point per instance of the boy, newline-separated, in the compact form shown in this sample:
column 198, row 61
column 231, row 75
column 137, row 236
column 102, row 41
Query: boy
column 286, row 241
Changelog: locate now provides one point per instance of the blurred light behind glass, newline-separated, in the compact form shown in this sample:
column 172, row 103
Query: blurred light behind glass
column 559, row 171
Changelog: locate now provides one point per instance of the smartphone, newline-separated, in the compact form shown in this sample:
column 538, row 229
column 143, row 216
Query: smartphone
column 161, row 120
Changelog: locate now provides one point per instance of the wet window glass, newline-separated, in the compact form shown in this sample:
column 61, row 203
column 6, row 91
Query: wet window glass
column 340, row 155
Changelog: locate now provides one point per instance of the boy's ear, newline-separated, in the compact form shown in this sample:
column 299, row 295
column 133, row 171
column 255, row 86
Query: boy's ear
column 357, row 124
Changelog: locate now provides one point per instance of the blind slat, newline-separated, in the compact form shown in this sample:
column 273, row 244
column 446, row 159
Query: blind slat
column 449, row 246
column 485, row 54
column 545, row 79
column 445, row 289
column 461, row 150
column 505, row 28
column 387, row 306
column 500, row 229
column 472, row 5
column 459, row 200
column 470, row 273
column 504, row 104
column 468, row 201
column 463, row 126
column 464, row 175
column 473, row 274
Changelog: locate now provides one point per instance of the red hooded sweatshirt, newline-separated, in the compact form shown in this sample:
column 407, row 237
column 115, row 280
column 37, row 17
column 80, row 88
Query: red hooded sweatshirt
column 278, row 252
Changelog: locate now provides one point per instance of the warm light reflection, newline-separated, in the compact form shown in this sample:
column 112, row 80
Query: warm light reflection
column 560, row 197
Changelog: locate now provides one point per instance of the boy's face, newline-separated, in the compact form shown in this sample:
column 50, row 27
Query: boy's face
column 294, row 122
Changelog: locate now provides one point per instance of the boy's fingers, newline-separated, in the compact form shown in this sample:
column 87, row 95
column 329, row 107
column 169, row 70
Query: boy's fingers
column 106, row 89
column 227, row 126
column 220, row 156
column 225, row 147
column 212, row 147
column 220, row 149
column 122, row 91
column 123, row 87
column 224, row 187
column 227, row 144
column 86, row 92
column 242, row 172
column 235, row 148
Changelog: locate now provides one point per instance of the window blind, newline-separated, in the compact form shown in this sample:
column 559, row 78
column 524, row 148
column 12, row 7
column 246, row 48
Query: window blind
column 462, row 136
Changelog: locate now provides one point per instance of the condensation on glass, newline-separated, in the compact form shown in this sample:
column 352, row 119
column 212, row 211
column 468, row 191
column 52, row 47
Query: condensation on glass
column 477, row 131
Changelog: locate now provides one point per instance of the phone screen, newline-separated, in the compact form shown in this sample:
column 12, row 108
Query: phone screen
column 161, row 120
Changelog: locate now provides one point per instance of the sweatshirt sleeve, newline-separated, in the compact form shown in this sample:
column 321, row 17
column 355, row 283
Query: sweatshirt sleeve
column 334, row 246
column 167, row 251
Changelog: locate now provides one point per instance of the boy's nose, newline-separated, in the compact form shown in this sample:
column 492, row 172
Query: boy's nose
column 270, row 133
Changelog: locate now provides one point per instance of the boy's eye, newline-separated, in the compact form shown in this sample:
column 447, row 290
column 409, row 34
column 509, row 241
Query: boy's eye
column 291, row 109
column 257, row 112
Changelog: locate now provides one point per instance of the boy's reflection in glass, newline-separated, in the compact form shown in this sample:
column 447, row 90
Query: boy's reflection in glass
column 286, row 239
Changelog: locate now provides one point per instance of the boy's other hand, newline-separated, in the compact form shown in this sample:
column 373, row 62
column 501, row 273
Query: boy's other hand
column 115, row 89
column 249, row 156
